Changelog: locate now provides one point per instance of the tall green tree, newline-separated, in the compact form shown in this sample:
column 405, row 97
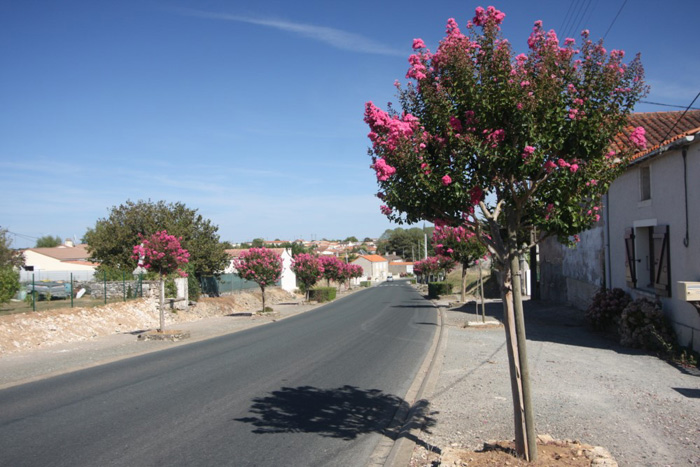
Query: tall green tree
column 47, row 241
column 111, row 241
column 533, row 131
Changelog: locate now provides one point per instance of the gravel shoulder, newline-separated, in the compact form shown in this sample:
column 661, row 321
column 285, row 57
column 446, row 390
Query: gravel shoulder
column 645, row 411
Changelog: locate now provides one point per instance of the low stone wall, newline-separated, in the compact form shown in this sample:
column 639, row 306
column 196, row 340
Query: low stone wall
column 116, row 289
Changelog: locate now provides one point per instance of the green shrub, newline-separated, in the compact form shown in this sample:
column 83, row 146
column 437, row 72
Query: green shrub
column 322, row 294
column 606, row 308
column 435, row 289
column 194, row 290
column 365, row 284
column 170, row 288
column 643, row 325
column 9, row 283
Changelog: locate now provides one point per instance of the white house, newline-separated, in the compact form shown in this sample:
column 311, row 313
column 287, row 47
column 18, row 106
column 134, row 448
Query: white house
column 648, row 238
column 57, row 263
column 375, row 267
column 288, row 281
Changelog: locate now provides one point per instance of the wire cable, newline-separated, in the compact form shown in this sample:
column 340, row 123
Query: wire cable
column 614, row 19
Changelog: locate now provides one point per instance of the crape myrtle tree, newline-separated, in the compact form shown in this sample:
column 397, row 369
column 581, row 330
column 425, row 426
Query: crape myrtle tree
column 332, row 269
column 462, row 245
column 161, row 253
column 308, row 269
column 261, row 265
column 350, row 271
column 533, row 131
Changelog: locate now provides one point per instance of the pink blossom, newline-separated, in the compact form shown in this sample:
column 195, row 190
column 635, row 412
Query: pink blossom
column 524, row 84
column 573, row 168
column 549, row 166
column 638, row 138
column 446, row 180
column 455, row 124
column 384, row 170
column 386, row 210
column 418, row 44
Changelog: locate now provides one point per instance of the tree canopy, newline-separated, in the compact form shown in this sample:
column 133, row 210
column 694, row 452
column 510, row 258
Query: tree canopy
column 47, row 241
column 112, row 239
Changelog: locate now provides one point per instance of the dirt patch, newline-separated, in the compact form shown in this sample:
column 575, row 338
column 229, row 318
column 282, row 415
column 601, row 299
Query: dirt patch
column 41, row 329
column 550, row 453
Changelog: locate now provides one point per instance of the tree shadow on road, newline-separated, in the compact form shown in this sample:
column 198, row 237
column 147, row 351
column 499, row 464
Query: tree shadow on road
column 345, row 412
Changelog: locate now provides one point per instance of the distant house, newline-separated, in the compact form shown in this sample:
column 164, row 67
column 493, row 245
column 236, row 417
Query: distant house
column 648, row 237
column 57, row 263
column 288, row 281
column 400, row 267
column 375, row 267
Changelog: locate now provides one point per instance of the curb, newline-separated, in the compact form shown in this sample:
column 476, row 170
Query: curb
column 398, row 452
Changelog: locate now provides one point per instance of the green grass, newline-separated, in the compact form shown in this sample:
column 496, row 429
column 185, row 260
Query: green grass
column 491, row 289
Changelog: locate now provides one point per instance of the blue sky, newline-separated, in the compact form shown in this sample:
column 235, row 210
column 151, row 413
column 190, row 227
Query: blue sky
column 248, row 111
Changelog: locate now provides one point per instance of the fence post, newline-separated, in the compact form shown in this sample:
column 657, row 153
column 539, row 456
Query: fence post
column 105, row 285
column 124, row 284
column 33, row 294
column 71, row 290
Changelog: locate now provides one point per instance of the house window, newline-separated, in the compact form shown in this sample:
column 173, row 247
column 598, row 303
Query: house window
column 647, row 260
column 645, row 183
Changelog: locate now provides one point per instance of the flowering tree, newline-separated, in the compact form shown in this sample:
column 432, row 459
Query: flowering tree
column 460, row 244
column 433, row 265
column 260, row 265
column 350, row 271
column 332, row 269
column 161, row 253
column 533, row 131
column 308, row 269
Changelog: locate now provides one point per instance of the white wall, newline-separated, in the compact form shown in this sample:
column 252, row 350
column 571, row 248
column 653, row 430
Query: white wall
column 666, row 207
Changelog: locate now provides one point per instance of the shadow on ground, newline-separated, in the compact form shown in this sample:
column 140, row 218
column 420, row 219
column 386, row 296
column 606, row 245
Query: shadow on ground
column 345, row 412
column 550, row 322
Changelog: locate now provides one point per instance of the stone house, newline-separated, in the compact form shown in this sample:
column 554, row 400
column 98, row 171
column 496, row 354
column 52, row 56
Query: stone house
column 375, row 267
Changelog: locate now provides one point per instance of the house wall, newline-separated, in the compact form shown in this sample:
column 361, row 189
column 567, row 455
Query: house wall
column 573, row 275
column 373, row 270
column 666, row 207
column 46, row 263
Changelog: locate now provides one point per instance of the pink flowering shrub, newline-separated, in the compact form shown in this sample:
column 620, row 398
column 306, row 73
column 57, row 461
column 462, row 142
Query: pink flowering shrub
column 500, row 123
column 332, row 269
column 161, row 253
column 308, row 269
column 260, row 265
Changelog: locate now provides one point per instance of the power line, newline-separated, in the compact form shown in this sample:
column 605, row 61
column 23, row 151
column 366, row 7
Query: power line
column 669, row 105
column 681, row 117
column 614, row 19
column 584, row 11
column 566, row 16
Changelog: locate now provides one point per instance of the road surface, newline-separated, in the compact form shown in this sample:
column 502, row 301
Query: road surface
column 316, row 389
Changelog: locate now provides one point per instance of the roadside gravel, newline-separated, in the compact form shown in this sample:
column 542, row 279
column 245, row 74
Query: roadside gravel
column 645, row 411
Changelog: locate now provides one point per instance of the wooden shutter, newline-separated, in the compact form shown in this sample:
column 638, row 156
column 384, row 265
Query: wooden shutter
column 630, row 259
column 662, row 261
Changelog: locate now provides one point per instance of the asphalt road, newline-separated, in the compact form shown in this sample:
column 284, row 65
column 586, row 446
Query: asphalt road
column 316, row 389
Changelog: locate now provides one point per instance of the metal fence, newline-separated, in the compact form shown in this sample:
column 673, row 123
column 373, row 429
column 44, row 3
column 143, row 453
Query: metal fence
column 54, row 291
column 225, row 284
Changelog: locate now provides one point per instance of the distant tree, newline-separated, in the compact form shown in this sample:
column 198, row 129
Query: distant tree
column 9, row 283
column 109, row 242
column 408, row 243
column 308, row 269
column 351, row 239
column 163, row 254
column 332, row 268
column 460, row 244
column 227, row 245
column 258, row 243
column 47, row 241
column 260, row 265
column 9, row 257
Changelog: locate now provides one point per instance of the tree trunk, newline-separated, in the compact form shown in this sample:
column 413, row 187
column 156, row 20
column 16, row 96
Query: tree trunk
column 464, row 283
column 525, row 438
column 263, row 298
column 481, row 294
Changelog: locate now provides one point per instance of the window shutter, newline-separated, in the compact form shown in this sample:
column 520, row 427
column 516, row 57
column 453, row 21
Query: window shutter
column 630, row 260
column 662, row 262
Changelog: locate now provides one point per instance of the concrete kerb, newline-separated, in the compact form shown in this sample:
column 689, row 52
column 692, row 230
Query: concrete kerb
column 398, row 452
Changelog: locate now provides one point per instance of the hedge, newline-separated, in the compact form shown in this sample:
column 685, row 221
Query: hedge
column 322, row 294
column 435, row 289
